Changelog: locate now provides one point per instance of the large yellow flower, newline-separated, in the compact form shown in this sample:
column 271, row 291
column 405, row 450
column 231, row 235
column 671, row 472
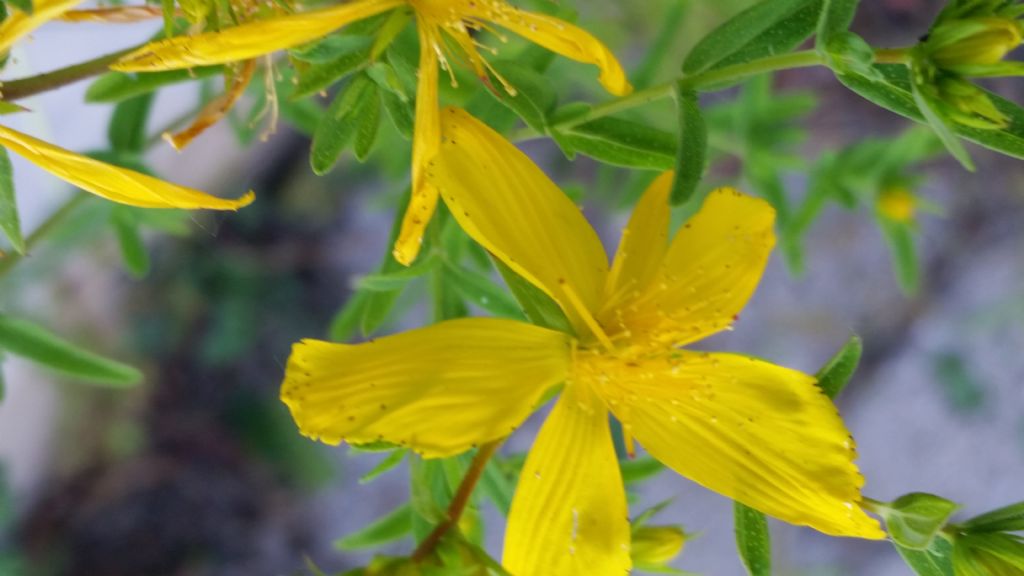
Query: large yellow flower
column 112, row 182
column 445, row 28
column 758, row 433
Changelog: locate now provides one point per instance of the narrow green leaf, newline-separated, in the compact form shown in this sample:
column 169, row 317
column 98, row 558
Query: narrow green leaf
column 23, row 5
column 396, row 524
column 693, row 145
column 117, row 86
column 330, row 47
column 497, row 486
column 538, row 306
column 399, row 112
column 347, row 320
column 168, row 11
column 836, row 17
column 391, row 280
column 393, row 459
column 368, row 124
column 339, row 124
column 10, row 222
column 1006, row 519
column 934, row 118
column 127, row 130
column 834, row 375
column 936, row 561
column 767, row 28
column 481, row 291
column 622, row 143
column 900, row 239
column 28, row 340
column 753, row 540
column 533, row 100
column 133, row 250
column 319, row 76
column 640, row 469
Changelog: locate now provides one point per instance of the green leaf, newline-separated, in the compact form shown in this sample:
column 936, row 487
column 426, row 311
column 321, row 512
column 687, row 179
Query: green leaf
column 767, row 28
column 935, row 118
column 330, row 47
column 693, row 145
column 753, row 540
column 319, row 76
column 913, row 520
column 397, row 524
column 28, row 340
column 347, row 320
column 621, row 143
column 640, row 469
column 116, row 86
column 936, row 561
column 1006, row 519
column 890, row 88
column 961, row 387
column 133, row 250
column 393, row 459
column 834, row 375
column 399, row 278
column 900, row 239
column 23, row 5
column 127, row 130
column 340, row 123
column 534, row 98
column 368, row 125
column 538, row 306
column 10, row 222
column 399, row 112
column 481, row 291
column 497, row 486
column 836, row 17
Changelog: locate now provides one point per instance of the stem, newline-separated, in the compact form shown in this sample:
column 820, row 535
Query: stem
column 45, row 228
column 24, row 87
column 459, row 501
column 892, row 55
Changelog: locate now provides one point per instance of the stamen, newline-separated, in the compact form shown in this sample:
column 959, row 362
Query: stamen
column 588, row 319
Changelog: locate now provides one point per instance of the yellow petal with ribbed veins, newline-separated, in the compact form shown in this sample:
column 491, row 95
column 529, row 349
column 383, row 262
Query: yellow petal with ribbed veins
column 710, row 271
column 215, row 109
column 426, row 141
column 249, row 40
column 569, row 515
column 112, row 182
column 642, row 246
column 18, row 23
column 758, row 433
column 507, row 204
column 439, row 390
column 556, row 35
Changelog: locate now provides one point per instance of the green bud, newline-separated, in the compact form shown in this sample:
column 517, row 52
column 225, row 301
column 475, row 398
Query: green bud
column 848, row 52
column 913, row 520
column 655, row 546
column 995, row 554
column 973, row 42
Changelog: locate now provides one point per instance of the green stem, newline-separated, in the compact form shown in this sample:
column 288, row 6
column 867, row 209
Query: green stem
column 24, row 87
column 50, row 224
column 459, row 501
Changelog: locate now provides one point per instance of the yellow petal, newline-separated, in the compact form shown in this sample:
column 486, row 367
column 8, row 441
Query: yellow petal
column 249, row 40
column 111, row 182
column 426, row 141
column 758, row 433
column 216, row 108
column 643, row 244
column 507, row 204
column 19, row 23
column 569, row 515
column 710, row 271
column 555, row 35
column 439, row 390
column 113, row 14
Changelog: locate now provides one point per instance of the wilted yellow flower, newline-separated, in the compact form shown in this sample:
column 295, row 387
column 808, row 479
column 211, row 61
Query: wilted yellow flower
column 112, row 182
column 444, row 26
column 18, row 24
column 758, row 433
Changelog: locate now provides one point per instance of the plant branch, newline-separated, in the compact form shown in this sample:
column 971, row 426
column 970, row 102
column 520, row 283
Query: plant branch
column 50, row 224
column 459, row 501
column 24, row 87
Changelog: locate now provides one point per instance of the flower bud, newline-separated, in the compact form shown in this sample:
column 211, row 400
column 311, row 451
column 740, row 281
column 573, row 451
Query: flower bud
column 967, row 44
column 656, row 546
column 897, row 203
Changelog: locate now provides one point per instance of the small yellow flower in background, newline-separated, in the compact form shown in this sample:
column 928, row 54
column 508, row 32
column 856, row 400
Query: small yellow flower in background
column 19, row 24
column 111, row 182
column 653, row 547
column 446, row 30
column 897, row 203
column 758, row 433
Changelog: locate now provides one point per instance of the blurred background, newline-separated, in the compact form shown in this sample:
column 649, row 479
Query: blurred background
column 200, row 470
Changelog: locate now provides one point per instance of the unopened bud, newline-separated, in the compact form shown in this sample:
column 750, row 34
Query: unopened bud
column 967, row 44
column 654, row 546
column 897, row 203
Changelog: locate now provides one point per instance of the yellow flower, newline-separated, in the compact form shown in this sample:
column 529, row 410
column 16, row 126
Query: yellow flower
column 445, row 26
column 19, row 24
column 758, row 433
column 109, row 181
column 897, row 203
